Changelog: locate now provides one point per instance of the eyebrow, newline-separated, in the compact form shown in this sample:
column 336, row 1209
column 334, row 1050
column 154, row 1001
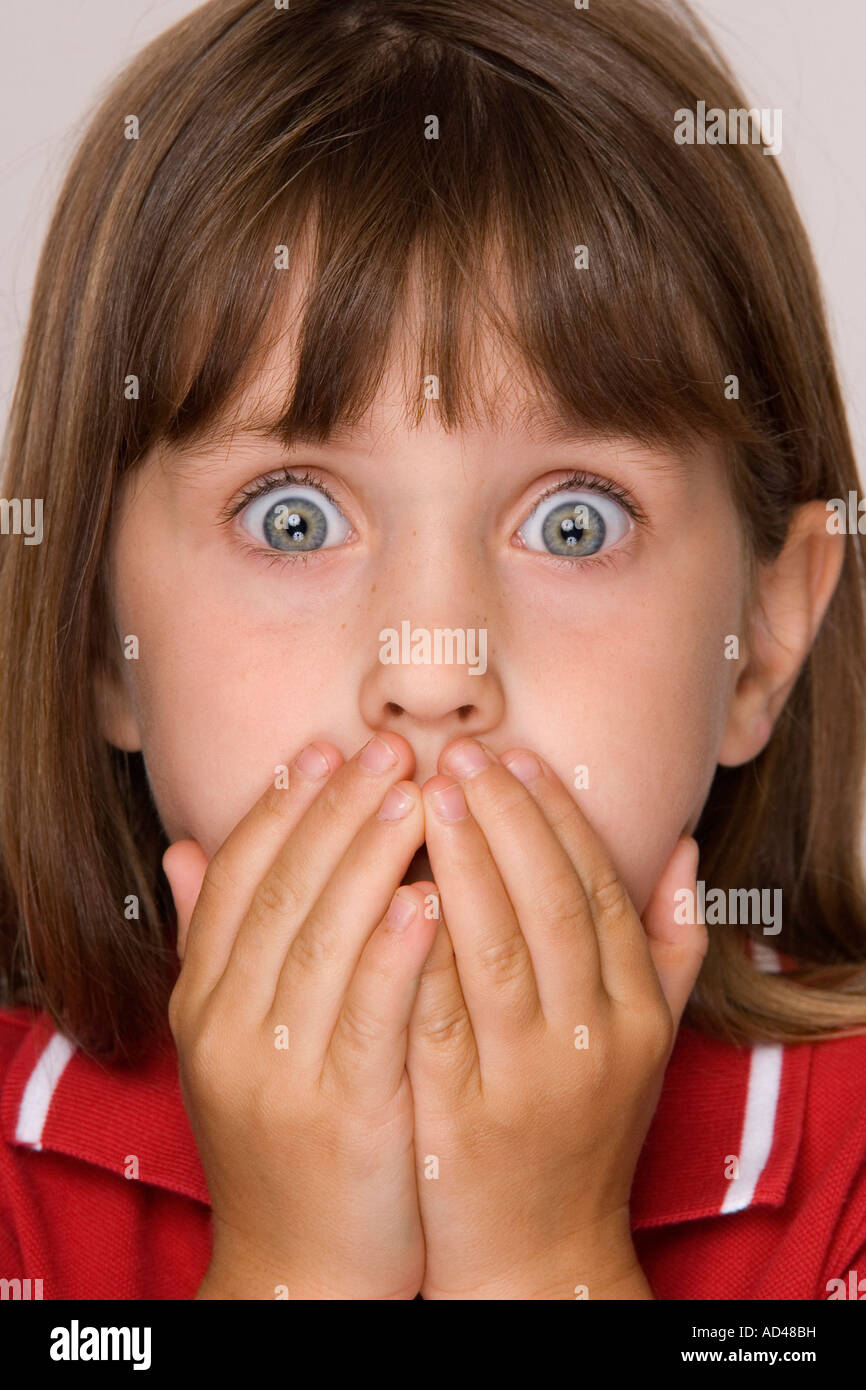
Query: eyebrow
column 542, row 419
column 536, row 417
column 259, row 429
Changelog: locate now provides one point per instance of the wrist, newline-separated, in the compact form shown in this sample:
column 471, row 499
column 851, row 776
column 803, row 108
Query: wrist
column 597, row 1263
column 241, row 1273
column 251, row 1286
column 248, row 1284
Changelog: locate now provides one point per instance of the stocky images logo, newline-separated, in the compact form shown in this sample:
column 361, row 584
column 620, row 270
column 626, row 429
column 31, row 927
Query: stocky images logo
column 717, row 907
column 76, row 1343
column 734, row 127
column 856, row 1289
column 444, row 646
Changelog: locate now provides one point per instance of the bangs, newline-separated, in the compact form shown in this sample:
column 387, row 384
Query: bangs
column 332, row 226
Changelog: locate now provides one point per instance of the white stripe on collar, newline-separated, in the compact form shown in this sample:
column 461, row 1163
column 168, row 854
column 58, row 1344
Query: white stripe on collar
column 762, row 1100
column 40, row 1088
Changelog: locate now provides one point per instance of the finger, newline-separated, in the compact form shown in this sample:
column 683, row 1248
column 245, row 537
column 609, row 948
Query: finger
column 442, row 1057
column 678, row 949
column 542, row 882
column 492, row 957
column 184, row 865
column 623, row 952
column 322, row 956
column 304, row 863
column 241, row 862
column 368, row 1046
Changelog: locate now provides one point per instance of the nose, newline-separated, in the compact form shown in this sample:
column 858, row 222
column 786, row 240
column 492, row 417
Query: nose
column 433, row 685
column 433, row 674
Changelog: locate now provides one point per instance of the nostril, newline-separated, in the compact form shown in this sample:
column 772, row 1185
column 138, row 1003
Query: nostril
column 464, row 711
column 392, row 708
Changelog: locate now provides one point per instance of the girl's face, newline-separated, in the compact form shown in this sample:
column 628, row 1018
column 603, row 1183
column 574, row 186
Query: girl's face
column 611, row 666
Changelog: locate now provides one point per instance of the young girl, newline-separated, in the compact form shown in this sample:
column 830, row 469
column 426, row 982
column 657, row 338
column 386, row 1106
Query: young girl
column 435, row 448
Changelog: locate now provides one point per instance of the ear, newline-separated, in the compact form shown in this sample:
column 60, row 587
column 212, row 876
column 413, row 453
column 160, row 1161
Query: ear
column 792, row 594
column 118, row 722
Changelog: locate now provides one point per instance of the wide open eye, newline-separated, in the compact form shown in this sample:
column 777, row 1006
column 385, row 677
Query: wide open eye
column 576, row 524
column 291, row 517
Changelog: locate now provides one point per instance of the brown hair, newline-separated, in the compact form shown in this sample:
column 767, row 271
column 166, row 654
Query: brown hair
column 556, row 130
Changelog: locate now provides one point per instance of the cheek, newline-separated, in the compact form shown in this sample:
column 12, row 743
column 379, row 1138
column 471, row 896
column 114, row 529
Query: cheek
column 220, row 709
column 632, row 727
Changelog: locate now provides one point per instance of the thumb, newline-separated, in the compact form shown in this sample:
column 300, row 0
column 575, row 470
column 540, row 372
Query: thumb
column 184, row 864
column 677, row 948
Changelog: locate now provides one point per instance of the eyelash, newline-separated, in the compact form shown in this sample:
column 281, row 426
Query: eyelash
column 267, row 484
column 579, row 481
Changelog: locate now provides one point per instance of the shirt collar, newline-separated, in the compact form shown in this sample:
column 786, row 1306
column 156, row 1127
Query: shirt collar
column 728, row 1125
column 726, row 1131
column 130, row 1120
column 724, row 1136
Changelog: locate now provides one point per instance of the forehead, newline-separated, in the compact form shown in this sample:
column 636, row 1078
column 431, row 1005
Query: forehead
column 496, row 387
column 505, row 401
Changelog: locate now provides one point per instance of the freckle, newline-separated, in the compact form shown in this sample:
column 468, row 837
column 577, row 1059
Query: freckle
column 372, row 590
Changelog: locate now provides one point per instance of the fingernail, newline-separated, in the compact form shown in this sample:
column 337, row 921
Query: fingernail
column 450, row 804
column 400, row 913
column 377, row 756
column 396, row 805
column 466, row 759
column 312, row 762
column 524, row 767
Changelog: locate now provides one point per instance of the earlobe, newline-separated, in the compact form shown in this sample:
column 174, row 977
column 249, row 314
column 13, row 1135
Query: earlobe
column 117, row 721
column 792, row 595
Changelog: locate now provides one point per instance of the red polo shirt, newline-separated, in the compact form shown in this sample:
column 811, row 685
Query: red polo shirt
column 751, row 1184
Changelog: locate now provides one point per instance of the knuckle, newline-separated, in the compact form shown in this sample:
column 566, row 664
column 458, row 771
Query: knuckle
column 561, row 817
column 277, row 896
column 311, row 948
column 468, row 854
column 502, row 799
column 276, row 802
column 445, row 1028
column 207, row 1055
column 607, row 896
column 217, row 879
column 359, row 1028
column 558, row 901
column 333, row 801
column 504, row 961
column 658, row 1032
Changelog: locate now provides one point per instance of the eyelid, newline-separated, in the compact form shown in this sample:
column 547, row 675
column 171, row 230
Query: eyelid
column 269, row 482
column 581, row 481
